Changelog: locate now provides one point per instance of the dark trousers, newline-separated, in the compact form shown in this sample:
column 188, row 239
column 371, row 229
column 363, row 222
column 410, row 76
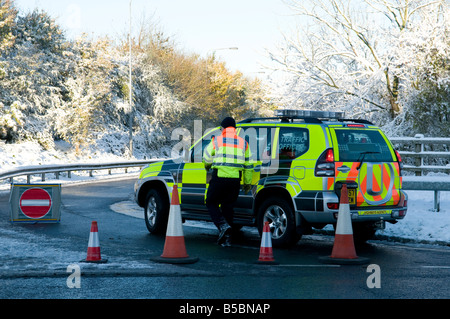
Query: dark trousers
column 221, row 198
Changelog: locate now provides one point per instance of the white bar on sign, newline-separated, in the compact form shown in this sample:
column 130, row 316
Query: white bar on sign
column 35, row 202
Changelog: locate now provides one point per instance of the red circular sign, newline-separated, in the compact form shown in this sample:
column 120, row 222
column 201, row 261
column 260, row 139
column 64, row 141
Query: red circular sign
column 35, row 203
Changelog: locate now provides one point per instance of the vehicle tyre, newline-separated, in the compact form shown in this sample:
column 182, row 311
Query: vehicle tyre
column 280, row 216
column 156, row 212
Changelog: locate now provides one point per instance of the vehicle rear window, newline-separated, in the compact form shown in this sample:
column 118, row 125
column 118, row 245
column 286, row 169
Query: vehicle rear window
column 354, row 144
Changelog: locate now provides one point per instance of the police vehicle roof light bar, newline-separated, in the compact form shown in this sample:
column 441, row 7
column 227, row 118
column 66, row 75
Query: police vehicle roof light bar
column 309, row 114
column 287, row 115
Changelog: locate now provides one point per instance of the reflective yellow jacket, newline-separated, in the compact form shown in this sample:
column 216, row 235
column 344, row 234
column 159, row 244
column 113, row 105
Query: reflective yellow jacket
column 230, row 155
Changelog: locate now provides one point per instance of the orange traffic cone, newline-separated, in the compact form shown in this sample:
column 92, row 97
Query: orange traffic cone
column 174, row 247
column 344, row 247
column 265, row 252
column 93, row 252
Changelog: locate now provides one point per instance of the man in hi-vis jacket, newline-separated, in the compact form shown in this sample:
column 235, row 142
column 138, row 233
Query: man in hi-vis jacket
column 229, row 157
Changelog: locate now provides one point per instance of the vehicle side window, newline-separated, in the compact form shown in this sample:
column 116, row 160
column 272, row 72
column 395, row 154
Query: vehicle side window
column 199, row 146
column 293, row 142
column 259, row 140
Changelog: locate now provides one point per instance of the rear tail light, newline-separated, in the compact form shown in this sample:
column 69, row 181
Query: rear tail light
column 399, row 213
column 333, row 205
column 400, row 163
column 402, row 212
column 325, row 164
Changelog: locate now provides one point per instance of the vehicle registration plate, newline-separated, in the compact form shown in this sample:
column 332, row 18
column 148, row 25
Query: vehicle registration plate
column 352, row 196
column 375, row 212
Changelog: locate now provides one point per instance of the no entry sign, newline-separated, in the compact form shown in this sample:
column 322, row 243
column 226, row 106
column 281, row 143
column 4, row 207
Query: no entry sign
column 35, row 203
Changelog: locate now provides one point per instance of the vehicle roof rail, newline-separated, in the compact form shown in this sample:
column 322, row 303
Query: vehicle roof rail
column 361, row 121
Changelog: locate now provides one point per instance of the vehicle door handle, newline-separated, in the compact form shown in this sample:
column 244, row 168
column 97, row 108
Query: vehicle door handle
column 344, row 169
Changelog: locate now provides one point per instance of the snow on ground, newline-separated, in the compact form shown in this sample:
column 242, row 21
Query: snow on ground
column 421, row 224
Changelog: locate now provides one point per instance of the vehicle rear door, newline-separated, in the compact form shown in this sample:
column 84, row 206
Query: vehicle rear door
column 193, row 178
column 365, row 159
column 262, row 141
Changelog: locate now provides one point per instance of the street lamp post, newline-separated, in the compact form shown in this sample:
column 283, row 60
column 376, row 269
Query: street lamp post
column 223, row 49
column 130, row 119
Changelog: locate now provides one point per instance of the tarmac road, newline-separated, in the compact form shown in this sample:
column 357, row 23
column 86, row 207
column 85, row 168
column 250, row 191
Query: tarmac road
column 34, row 260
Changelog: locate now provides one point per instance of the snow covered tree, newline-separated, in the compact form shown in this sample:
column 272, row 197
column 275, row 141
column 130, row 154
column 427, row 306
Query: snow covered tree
column 357, row 56
column 427, row 110
column 87, row 86
column 29, row 81
column 53, row 89
column 8, row 16
column 41, row 30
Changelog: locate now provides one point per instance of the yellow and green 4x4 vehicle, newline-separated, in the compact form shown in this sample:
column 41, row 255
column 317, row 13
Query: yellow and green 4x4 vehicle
column 301, row 159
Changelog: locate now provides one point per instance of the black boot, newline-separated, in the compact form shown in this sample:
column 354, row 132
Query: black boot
column 227, row 241
column 224, row 233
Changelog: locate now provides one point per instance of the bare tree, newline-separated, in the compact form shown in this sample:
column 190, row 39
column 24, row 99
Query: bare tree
column 346, row 52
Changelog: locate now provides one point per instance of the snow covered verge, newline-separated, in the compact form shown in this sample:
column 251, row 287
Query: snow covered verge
column 421, row 223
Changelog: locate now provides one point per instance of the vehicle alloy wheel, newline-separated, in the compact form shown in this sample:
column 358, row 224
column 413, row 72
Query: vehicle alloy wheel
column 277, row 219
column 156, row 212
column 280, row 216
column 151, row 211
